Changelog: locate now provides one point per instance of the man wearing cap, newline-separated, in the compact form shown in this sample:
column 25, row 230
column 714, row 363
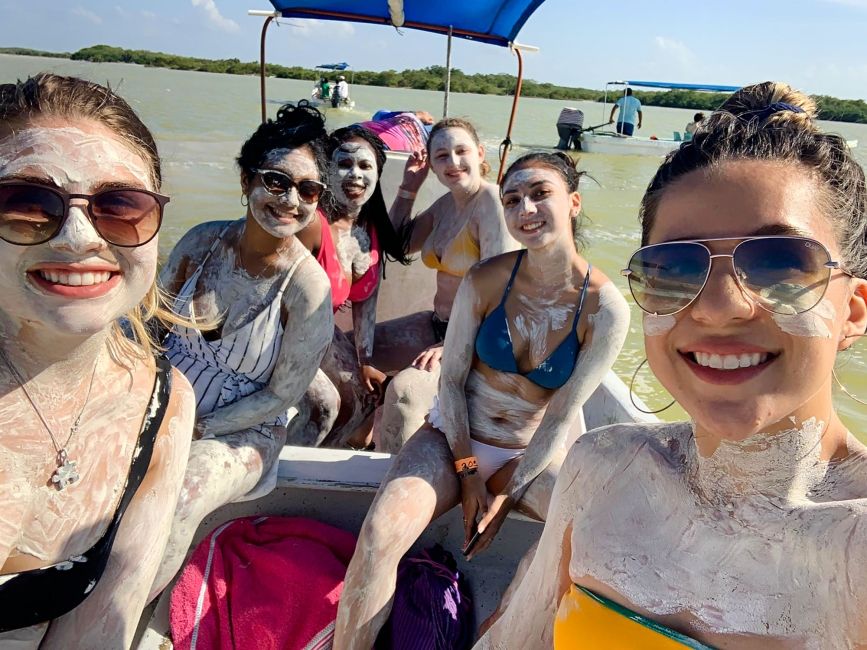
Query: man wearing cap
column 630, row 109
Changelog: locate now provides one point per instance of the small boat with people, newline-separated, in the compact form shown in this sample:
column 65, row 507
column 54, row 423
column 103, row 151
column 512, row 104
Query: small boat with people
column 332, row 92
column 606, row 138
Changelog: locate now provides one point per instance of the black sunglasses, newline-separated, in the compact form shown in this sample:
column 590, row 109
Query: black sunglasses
column 32, row 214
column 786, row 275
column 277, row 183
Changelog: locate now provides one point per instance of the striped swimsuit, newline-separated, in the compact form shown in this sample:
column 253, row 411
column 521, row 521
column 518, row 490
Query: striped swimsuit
column 239, row 363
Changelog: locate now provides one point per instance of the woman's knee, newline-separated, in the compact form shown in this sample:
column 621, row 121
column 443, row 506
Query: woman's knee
column 412, row 389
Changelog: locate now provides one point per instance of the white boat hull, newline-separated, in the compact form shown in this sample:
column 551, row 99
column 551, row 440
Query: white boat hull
column 614, row 144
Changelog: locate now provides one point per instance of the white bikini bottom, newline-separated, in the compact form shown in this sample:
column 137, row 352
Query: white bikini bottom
column 490, row 458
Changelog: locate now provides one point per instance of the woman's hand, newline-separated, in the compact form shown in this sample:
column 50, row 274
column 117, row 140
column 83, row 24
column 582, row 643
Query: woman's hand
column 373, row 380
column 429, row 359
column 415, row 171
column 490, row 523
column 474, row 501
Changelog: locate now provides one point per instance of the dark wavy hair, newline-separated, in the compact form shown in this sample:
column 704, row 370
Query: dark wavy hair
column 374, row 211
column 297, row 125
column 563, row 165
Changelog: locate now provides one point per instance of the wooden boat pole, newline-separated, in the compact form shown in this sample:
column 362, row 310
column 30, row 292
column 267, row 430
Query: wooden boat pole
column 448, row 74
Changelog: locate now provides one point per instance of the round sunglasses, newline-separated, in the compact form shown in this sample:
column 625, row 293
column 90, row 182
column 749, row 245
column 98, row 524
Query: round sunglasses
column 785, row 274
column 32, row 214
column 277, row 183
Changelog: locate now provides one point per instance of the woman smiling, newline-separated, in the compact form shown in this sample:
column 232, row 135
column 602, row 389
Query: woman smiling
column 745, row 527
column 532, row 334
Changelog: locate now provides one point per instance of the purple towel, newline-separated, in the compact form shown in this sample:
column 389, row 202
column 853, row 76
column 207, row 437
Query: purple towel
column 432, row 610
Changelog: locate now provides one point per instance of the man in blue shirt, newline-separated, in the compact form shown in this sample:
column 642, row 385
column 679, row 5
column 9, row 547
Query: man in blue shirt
column 630, row 108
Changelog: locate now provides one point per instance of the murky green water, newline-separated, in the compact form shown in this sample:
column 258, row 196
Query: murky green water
column 200, row 121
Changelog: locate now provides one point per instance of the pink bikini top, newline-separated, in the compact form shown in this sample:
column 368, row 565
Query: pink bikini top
column 341, row 290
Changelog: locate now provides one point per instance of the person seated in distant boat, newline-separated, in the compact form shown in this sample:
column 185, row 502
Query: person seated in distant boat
column 745, row 527
column 271, row 306
column 531, row 335
column 630, row 113
column 340, row 93
column 690, row 128
column 351, row 239
column 96, row 426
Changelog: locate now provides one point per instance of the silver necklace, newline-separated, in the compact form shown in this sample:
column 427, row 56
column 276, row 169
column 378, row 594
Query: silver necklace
column 67, row 470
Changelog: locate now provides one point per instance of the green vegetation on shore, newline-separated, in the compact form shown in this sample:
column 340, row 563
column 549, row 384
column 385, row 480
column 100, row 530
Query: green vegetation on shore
column 432, row 78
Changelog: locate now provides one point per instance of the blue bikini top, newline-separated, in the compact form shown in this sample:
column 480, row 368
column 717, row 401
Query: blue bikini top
column 494, row 343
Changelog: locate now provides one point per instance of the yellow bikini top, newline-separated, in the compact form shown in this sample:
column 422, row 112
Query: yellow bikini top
column 458, row 256
column 587, row 620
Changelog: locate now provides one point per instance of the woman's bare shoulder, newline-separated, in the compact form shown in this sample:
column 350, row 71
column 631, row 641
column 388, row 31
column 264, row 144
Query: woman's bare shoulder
column 626, row 445
column 198, row 239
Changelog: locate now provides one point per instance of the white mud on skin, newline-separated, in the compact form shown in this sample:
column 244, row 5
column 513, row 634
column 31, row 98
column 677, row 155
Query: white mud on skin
column 810, row 323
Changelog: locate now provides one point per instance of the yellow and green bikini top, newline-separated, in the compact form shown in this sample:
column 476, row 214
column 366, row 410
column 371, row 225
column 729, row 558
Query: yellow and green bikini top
column 586, row 621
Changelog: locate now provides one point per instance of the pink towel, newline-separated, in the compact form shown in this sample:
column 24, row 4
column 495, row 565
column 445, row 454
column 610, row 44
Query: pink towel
column 264, row 583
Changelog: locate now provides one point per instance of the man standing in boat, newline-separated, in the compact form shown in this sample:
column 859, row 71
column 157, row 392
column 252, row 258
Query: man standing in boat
column 341, row 92
column 630, row 110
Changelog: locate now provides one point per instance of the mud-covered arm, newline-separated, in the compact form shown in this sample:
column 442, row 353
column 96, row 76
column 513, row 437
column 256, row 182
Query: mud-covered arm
column 602, row 343
column 306, row 336
column 108, row 617
column 527, row 620
column 364, row 326
column 457, row 361
column 493, row 236
column 187, row 254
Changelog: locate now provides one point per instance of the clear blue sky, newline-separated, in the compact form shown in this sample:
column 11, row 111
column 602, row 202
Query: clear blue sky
column 819, row 46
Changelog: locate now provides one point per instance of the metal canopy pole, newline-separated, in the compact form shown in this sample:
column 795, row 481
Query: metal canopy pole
column 269, row 16
column 448, row 74
column 506, row 144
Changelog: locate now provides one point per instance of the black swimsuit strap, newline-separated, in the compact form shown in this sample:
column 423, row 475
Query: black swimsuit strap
column 40, row 595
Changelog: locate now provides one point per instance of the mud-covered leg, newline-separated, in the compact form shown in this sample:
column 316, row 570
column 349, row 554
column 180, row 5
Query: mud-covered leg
column 399, row 341
column 408, row 399
column 317, row 413
column 420, row 486
column 219, row 471
column 341, row 367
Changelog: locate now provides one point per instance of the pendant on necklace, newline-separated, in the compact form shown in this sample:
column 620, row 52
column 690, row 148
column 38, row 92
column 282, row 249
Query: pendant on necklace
column 66, row 472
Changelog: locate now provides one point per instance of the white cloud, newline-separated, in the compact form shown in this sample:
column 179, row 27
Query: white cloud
column 217, row 19
column 676, row 51
column 320, row 28
column 81, row 12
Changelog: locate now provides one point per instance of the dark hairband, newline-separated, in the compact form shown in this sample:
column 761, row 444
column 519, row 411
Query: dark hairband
column 762, row 114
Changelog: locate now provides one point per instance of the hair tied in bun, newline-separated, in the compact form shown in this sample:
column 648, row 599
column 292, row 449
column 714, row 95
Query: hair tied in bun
column 764, row 113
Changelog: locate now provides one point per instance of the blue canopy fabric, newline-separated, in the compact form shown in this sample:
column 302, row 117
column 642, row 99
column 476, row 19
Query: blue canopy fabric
column 676, row 86
column 488, row 21
column 333, row 66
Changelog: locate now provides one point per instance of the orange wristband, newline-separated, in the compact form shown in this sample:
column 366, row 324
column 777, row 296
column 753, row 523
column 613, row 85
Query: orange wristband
column 466, row 465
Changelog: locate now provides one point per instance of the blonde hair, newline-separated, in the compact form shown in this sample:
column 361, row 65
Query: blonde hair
column 72, row 98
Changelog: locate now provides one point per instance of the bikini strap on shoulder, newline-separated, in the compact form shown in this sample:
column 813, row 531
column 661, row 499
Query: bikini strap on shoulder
column 512, row 277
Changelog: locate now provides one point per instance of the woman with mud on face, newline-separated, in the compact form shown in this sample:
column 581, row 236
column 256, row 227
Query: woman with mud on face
column 96, row 427
column 351, row 239
column 745, row 527
column 508, row 403
column 461, row 228
column 270, row 303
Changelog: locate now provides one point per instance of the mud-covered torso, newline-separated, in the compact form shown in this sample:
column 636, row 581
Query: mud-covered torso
column 752, row 570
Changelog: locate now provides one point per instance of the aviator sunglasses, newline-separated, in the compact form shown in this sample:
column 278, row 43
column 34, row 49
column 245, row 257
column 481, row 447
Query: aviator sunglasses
column 785, row 274
column 32, row 214
column 277, row 184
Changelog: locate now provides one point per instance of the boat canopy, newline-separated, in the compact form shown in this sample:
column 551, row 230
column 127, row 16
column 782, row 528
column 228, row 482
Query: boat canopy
column 676, row 86
column 333, row 66
column 489, row 21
